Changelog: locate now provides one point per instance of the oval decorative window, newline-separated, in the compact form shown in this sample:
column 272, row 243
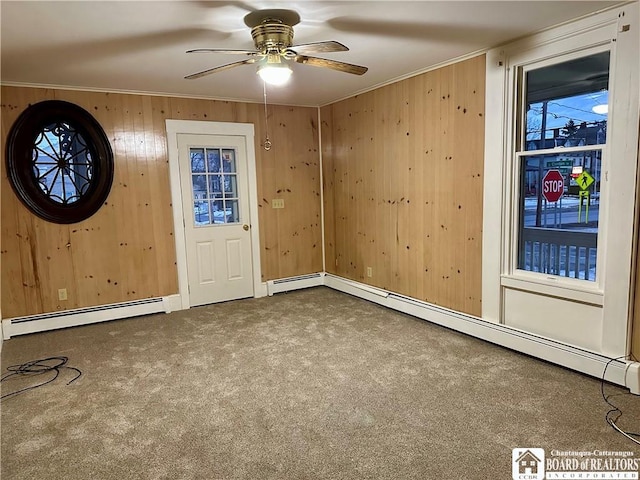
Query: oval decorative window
column 59, row 161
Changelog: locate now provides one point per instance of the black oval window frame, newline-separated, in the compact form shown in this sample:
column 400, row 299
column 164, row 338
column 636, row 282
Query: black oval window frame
column 20, row 144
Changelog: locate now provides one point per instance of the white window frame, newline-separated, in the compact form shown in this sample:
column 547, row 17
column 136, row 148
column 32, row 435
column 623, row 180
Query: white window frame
column 613, row 288
column 593, row 289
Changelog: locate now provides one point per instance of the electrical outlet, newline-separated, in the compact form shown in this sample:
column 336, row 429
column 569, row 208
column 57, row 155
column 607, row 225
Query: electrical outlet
column 277, row 203
column 369, row 272
column 62, row 294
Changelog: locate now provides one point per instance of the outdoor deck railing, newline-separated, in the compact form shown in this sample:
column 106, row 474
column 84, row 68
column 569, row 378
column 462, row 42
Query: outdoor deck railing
column 567, row 253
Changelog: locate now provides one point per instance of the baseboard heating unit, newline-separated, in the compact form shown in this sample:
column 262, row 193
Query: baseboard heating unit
column 294, row 283
column 82, row 316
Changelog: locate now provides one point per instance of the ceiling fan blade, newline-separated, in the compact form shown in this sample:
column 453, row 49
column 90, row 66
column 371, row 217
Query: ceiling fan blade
column 333, row 64
column 220, row 68
column 223, row 50
column 319, row 47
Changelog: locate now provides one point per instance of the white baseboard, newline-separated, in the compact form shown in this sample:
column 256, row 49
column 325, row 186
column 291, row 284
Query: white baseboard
column 84, row 316
column 620, row 372
column 633, row 378
column 295, row 283
column 172, row 303
column 260, row 290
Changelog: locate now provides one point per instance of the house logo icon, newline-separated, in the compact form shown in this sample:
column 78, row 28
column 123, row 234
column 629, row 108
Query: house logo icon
column 527, row 463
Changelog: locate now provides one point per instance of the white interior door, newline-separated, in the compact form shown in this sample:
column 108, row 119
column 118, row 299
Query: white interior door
column 215, row 203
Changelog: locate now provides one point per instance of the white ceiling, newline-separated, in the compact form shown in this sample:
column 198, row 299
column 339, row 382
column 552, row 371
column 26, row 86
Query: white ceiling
column 140, row 46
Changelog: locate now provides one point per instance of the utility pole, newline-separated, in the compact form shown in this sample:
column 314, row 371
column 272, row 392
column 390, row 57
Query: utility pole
column 543, row 135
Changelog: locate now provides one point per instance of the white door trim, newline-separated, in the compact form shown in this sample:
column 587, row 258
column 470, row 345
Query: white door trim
column 195, row 127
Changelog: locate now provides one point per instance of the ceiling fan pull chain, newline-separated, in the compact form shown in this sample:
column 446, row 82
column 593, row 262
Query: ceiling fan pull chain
column 267, row 142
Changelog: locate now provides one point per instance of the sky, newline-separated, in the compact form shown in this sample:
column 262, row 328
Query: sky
column 559, row 111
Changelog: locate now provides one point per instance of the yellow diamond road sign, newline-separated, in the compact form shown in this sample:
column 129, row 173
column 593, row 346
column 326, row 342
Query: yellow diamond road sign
column 584, row 180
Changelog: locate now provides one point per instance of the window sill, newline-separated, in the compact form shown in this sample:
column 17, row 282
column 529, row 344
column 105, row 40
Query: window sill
column 592, row 296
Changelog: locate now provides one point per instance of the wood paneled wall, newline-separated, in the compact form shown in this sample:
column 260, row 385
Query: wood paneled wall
column 126, row 250
column 402, row 169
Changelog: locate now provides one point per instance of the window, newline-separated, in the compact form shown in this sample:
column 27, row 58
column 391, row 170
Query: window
column 562, row 130
column 62, row 163
column 214, row 180
column 533, row 286
column 59, row 161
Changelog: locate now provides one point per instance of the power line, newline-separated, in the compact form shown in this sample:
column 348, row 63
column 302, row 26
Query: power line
column 578, row 109
column 556, row 115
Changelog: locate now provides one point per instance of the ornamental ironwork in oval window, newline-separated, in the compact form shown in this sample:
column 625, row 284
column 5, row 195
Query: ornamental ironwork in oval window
column 59, row 161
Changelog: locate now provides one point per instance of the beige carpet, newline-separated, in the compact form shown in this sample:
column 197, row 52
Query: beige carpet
column 313, row 384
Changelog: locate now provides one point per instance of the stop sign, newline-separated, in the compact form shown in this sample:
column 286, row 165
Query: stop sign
column 552, row 185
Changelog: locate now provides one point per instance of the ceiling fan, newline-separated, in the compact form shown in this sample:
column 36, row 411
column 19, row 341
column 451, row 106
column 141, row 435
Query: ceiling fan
column 272, row 32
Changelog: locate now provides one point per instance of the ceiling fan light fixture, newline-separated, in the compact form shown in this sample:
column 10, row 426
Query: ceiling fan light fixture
column 272, row 33
column 275, row 73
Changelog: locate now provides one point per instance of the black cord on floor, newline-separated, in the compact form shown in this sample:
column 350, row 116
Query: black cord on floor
column 38, row 367
column 613, row 415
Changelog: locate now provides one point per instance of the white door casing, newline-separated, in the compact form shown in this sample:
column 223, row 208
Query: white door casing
column 217, row 238
column 245, row 132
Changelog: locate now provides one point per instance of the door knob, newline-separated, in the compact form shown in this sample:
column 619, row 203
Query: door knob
column 245, row 227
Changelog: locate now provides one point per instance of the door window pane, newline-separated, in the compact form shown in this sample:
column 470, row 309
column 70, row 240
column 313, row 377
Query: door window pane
column 215, row 189
column 215, row 186
column 232, row 211
column 217, row 207
column 197, row 160
column 201, row 211
column 213, row 160
column 230, row 186
column 229, row 160
column 199, row 186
